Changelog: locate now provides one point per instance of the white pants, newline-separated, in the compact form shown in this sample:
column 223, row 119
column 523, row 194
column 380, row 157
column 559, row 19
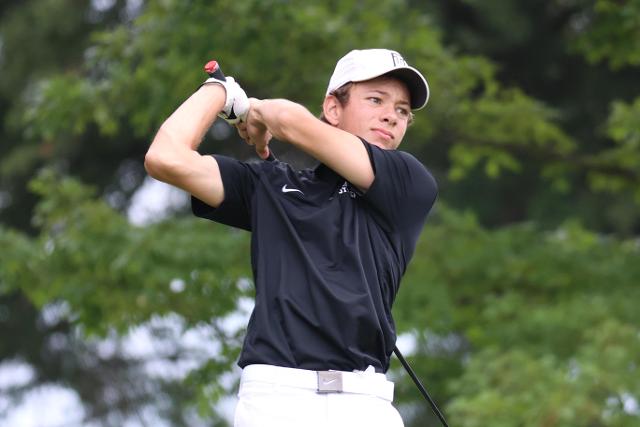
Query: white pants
column 267, row 398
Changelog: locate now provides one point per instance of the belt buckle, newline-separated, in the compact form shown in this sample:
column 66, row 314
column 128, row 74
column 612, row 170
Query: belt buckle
column 329, row 382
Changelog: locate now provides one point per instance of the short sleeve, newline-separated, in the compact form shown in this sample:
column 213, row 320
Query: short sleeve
column 403, row 191
column 239, row 179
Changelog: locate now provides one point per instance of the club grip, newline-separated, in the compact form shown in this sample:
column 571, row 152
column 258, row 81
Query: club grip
column 213, row 69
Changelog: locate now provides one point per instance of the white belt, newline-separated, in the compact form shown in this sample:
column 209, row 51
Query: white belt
column 360, row 382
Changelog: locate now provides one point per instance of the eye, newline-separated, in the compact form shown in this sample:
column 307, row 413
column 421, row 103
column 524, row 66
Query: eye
column 375, row 99
column 403, row 112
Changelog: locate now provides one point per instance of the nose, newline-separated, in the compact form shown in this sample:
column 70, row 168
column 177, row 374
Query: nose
column 389, row 115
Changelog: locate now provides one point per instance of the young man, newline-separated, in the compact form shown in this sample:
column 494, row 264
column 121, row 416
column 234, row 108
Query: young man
column 329, row 245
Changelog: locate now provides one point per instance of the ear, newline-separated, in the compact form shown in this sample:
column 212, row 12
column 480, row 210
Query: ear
column 332, row 109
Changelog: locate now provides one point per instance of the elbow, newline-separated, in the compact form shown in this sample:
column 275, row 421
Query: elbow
column 153, row 163
column 160, row 159
column 161, row 165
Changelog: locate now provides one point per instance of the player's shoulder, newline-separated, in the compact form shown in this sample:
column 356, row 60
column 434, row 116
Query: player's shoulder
column 407, row 157
column 392, row 154
column 400, row 157
column 407, row 166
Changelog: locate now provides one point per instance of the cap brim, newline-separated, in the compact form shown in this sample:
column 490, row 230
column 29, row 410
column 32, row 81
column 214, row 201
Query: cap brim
column 417, row 85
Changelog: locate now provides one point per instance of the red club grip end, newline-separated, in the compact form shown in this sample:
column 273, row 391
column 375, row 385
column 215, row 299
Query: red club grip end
column 211, row 67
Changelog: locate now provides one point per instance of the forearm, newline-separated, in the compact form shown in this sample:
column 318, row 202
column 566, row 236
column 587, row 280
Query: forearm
column 292, row 123
column 173, row 157
column 274, row 114
column 185, row 128
column 171, row 153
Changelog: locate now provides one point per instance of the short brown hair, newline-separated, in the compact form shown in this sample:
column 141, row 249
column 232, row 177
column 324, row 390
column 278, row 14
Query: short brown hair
column 342, row 95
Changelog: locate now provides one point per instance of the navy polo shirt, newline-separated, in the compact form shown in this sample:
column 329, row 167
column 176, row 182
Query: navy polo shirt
column 327, row 260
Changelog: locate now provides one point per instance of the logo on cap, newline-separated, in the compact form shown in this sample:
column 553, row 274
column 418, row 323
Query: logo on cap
column 398, row 60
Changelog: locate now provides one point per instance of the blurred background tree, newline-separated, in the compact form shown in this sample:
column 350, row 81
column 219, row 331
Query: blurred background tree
column 519, row 306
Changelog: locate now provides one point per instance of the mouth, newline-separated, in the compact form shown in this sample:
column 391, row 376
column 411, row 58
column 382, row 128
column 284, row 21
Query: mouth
column 384, row 133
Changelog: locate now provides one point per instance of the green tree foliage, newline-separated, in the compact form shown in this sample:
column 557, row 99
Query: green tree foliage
column 542, row 324
column 610, row 31
column 535, row 46
column 38, row 39
column 113, row 276
column 521, row 296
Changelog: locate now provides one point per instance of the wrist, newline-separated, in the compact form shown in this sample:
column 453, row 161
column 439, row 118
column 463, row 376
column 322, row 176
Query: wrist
column 212, row 98
column 214, row 89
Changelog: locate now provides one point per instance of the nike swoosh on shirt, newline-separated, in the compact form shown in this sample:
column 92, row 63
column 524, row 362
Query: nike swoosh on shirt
column 289, row 190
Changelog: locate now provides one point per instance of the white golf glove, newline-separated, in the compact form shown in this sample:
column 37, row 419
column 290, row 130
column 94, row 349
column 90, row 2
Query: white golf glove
column 236, row 105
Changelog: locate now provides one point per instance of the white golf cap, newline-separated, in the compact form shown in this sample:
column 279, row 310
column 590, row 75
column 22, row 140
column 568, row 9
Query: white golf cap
column 361, row 65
